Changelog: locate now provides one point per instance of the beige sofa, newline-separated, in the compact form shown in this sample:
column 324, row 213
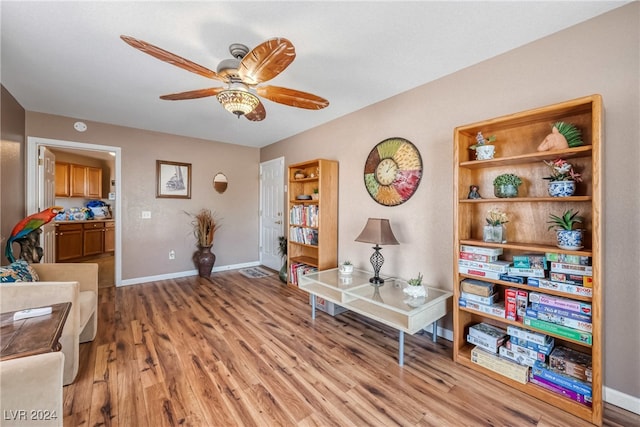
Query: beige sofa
column 31, row 390
column 74, row 282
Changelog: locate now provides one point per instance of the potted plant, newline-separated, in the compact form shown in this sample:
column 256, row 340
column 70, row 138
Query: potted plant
column 315, row 194
column 563, row 178
column 506, row 185
column 483, row 147
column 415, row 288
column 282, row 251
column 563, row 135
column 204, row 225
column 346, row 267
column 568, row 238
column 494, row 231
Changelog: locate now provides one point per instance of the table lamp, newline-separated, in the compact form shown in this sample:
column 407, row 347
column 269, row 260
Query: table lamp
column 377, row 231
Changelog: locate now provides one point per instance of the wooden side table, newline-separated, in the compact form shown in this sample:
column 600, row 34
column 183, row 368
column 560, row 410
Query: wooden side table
column 35, row 335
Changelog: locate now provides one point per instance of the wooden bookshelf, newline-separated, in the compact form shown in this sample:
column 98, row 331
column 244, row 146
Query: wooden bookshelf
column 318, row 246
column 518, row 136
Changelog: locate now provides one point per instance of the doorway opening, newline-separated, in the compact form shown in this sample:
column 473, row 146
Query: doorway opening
column 33, row 180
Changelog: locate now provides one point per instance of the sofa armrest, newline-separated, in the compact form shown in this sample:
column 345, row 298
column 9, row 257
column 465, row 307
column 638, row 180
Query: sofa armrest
column 31, row 390
column 84, row 273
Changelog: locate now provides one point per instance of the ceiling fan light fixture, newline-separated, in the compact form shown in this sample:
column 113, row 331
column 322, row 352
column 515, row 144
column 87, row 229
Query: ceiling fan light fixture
column 238, row 101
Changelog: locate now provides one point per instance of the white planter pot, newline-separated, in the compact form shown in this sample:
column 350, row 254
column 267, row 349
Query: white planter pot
column 485, row 152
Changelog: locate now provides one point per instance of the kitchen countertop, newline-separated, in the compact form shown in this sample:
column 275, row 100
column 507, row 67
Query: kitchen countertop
column 80, row 221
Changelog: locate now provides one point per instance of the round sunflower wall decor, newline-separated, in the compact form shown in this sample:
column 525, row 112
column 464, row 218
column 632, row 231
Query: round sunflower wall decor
column 393, row 171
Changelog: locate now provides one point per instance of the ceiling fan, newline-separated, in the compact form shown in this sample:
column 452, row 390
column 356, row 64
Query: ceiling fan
column 242, row 74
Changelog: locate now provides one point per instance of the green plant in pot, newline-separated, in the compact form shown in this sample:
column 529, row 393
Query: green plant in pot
column 568, row 237
column 415, row 288
column 506, row 185
column 282, row 251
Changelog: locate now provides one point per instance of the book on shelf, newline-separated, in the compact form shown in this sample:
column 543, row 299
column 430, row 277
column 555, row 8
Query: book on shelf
column 308, row 236
column 500, row 365
column 481, row 250
column 304, row 215
column 560, row 286
column 561, row 331
column 299, row 269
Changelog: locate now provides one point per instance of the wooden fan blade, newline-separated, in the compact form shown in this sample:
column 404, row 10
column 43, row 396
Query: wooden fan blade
column 294, row 98
column 193, row 94
column 258, row 113
column 266, row 61
column 171, row 58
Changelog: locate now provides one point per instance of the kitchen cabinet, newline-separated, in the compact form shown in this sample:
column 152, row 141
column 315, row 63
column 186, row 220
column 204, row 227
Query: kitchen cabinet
column 109, row 236
column 78, row 181
column 62, row 180
column 68, row 241
column 93, row 238
column 81, row 239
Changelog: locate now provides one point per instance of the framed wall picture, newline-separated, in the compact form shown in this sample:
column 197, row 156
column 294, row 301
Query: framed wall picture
column 173, row 180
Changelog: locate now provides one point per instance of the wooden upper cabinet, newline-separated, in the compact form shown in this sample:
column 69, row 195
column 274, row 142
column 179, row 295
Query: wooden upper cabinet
column 77, row 174
column 78, row 181
column 62, row 180
column 93, row 183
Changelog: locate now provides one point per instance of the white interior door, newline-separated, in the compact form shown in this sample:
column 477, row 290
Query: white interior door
column 271, row 211
column 47, row 198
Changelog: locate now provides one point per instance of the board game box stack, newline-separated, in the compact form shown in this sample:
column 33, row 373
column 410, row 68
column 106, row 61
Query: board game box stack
column 476, row 294
column 527, row 356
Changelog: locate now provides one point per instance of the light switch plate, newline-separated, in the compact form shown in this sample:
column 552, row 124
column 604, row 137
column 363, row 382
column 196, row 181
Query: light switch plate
column 146, row 214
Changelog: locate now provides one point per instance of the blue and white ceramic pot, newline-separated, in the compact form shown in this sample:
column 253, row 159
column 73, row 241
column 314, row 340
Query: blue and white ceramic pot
column 562, row 188
column 570, row 240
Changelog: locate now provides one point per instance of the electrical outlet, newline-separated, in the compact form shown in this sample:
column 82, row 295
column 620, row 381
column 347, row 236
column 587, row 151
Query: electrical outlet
column 172, row 254
column 145, row 215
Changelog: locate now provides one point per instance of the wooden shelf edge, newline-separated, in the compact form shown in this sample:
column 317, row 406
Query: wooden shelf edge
column 534, row 247
column 554, row 399
column 528, row 199
column 568, row 153
column 304, row 260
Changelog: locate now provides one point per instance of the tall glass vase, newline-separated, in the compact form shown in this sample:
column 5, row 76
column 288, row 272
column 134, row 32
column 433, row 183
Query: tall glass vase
column 494, row 233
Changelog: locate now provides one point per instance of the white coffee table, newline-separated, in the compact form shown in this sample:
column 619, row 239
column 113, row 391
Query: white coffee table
column 386, row 304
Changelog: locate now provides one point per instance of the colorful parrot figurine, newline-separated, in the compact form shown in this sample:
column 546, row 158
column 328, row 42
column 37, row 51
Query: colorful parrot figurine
column 29, row 224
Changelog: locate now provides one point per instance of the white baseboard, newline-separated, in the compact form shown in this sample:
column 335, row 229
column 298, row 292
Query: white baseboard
column 138, row 280
column 622, row 400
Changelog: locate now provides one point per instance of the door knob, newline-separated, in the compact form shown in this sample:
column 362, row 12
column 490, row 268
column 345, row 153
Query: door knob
column 278, row 222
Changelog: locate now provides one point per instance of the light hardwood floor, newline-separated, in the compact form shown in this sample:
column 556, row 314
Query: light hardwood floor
column 231, row 351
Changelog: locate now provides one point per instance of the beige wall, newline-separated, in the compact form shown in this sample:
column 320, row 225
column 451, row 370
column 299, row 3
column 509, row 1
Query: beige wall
column 599, row 56
column 12, row 177
column 146, row 243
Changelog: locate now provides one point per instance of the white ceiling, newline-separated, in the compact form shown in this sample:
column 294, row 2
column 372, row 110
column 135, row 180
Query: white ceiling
column 67, row 58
